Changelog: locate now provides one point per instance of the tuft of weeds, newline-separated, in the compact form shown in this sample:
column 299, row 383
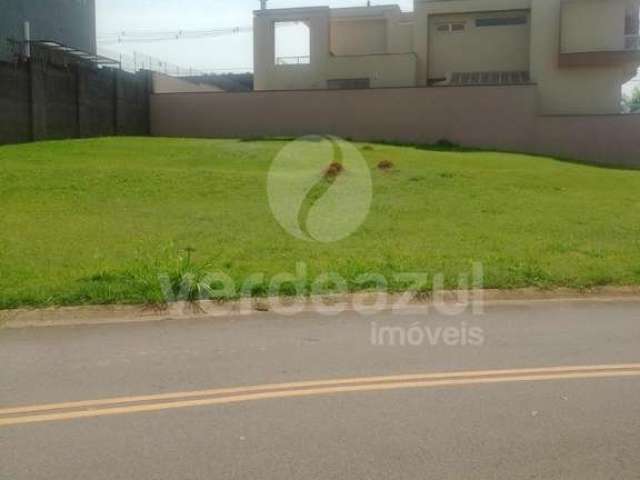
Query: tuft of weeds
column 447, row 175
column 189, row 282
column 385, row 165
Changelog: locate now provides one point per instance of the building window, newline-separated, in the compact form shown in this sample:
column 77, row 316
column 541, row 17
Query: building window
column 501, row 21
column 292, row 43
column 451, row 27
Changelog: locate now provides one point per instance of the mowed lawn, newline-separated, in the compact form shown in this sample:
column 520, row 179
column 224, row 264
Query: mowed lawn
column 96, row 221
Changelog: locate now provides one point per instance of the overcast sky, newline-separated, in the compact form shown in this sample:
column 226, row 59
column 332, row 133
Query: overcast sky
column 228, row 52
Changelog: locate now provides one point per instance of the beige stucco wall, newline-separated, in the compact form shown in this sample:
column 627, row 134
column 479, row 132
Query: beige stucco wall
column 397, row 70
column 358, row 37
column 503, row 118
column 592, row 25
column 166, row 84
column 492, row 117
column 400, row 34
column 477, row 49
column 602, row 139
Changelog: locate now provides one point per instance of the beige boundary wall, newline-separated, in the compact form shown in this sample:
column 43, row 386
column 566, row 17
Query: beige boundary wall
column 603, row 139
column 494, row 117
column 162, row 83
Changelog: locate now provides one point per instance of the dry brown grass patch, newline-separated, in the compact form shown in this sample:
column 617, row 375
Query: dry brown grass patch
column 385, row 165
column 333, row 170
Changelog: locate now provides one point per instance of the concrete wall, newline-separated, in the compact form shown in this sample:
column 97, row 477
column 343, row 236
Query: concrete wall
column 400, row 33
column 43, row 101
column 132, row 104
column 592, row 25
column 15, row 106
column 358, row 37
column 492, row 117
column 602, row 139
column 162, row 83
column 72, row 22
column 393, row 70
column 478, row 49
column 56, row 100
column 95, row 103
column 503, row 118
column 371, row 30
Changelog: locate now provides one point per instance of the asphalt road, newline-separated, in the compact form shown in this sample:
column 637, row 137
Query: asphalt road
column 556, row 427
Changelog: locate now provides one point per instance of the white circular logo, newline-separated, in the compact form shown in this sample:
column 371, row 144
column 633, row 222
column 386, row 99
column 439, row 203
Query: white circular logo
column 319, row 188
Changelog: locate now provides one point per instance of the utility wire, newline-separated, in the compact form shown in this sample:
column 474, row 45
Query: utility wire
column 145, row 36
column 163, row 36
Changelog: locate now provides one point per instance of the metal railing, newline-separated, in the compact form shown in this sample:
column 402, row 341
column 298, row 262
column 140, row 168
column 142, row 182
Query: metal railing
column 306, row 60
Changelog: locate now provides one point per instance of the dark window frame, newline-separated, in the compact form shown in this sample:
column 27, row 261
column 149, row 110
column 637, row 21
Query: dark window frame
column 511, row 21
column 450, row 27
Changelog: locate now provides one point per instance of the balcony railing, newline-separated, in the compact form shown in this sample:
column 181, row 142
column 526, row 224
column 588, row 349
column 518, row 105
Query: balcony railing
column 293, row 60
column 632, row 42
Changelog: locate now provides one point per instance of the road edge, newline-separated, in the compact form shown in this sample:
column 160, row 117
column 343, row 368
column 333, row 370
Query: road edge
column 118, row 314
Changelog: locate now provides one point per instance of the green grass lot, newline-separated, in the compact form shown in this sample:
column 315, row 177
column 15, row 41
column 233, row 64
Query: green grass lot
column 95, row 221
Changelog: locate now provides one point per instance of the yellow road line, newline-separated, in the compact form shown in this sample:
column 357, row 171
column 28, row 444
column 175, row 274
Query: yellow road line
column 294, row 385
column 86, row 409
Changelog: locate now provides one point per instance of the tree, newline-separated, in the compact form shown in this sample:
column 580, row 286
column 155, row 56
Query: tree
column 632, row 101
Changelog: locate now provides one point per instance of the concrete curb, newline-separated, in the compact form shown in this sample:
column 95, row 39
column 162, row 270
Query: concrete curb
column 361, row 302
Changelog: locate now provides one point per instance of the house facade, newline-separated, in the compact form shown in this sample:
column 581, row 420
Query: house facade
column 579, row 53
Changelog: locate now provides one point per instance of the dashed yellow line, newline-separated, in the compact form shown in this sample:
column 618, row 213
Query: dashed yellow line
column 169, row 401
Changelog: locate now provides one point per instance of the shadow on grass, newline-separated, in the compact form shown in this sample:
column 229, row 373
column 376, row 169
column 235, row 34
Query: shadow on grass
column 447, row 146
column 266, row 139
